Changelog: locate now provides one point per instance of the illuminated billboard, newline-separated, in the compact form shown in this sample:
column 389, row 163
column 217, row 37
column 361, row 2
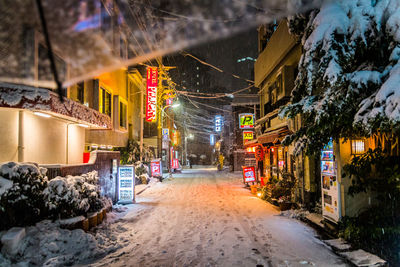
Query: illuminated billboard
column 246, row 120
column 151, row 94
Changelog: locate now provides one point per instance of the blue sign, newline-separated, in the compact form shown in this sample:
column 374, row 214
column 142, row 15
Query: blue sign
column 165, row 131
column 218, row 123
column 212, row 139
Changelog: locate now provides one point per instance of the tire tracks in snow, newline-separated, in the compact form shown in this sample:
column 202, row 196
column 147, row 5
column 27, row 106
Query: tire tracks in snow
column 247, row 228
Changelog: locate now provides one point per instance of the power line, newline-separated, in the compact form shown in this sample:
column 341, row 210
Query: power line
column 214, row 67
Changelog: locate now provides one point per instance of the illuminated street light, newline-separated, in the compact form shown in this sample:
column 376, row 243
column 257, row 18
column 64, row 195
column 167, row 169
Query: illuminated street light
column 176, row 105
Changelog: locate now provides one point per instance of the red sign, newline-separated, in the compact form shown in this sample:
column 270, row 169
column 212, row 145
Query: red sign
column 259, row 155
column 249, row 174
column 151, row 94
column 155, row 168
column 175, row 164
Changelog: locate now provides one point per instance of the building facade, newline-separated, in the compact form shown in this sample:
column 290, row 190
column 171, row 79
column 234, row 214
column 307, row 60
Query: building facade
column 321, row 185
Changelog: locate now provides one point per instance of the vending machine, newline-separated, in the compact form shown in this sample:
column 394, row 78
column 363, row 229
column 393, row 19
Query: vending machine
column 330, row 185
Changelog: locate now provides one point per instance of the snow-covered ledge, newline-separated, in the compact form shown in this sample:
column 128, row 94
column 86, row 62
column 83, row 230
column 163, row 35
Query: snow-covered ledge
column 40, row 99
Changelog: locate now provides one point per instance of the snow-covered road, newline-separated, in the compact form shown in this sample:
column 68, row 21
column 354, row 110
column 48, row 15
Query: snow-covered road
column 203, row 217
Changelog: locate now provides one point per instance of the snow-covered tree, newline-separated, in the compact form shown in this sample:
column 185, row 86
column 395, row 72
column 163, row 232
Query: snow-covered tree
column 349, row 74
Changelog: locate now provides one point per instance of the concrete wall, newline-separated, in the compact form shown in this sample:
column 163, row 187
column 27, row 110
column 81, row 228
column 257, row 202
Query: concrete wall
column 45, row 139
column 277, row 48
column 8, row 134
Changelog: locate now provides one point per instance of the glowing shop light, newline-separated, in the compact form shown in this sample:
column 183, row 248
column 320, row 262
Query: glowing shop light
column 42, row 114
column 83, row 125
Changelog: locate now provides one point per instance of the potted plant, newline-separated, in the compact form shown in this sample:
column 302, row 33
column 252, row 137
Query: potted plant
column 284, row 203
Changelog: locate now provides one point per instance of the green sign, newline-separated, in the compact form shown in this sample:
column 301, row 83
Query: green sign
column 246, row 120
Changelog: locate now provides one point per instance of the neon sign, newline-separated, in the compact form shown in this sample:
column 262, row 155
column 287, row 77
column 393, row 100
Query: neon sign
column 151, row 96
column 246, row 120
column 218, row 123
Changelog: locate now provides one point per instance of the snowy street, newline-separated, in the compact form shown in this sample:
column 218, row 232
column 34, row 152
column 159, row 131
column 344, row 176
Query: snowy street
column 203, row 217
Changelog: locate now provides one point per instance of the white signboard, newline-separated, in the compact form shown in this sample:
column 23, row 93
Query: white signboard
column 126, row 184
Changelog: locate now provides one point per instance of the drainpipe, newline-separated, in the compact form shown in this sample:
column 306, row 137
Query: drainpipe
column 21, row 136
column 67, row 144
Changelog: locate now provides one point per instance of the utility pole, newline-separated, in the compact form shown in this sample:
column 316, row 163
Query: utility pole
column 141, row 122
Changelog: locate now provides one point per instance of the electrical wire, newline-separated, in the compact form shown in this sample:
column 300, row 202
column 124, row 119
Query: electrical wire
column 184, row 53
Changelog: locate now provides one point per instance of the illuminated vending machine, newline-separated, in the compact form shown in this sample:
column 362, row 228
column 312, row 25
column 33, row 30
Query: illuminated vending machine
column 330, row 185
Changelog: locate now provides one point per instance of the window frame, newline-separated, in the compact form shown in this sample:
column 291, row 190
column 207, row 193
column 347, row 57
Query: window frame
column 122, row 102
column 102, row 109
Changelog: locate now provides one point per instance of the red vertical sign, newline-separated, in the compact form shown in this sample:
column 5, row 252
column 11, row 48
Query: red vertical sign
column 151, row 94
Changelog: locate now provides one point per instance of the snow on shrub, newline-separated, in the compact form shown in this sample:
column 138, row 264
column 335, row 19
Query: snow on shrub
column 142, row 172
column 21, row 193
column 73, row 195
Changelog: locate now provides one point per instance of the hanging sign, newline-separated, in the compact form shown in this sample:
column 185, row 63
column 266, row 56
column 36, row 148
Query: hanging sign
column 212, row 139
column 175, row 164
column 151, row 94
column 155, row 166
column 248, row 135
column 165, row 133
column 249, row 174
column 218, row 123
column 246, row 120
column 126, row 184
column 259, row 154
column 330, row 185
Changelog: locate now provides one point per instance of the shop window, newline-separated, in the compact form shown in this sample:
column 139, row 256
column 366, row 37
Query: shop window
column 357, row 147
column 122, row 115
column 105, row 102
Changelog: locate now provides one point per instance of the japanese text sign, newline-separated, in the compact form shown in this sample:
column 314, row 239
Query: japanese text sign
column 246, row 120
column 151, row 94
column 218, row 123
column 249, row 174
column 126, row 183
column 248, row 135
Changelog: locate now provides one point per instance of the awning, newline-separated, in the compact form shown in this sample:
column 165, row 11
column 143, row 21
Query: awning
column 274, row 137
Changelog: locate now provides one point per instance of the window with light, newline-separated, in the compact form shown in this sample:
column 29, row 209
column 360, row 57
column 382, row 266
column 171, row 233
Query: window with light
column 357, row 146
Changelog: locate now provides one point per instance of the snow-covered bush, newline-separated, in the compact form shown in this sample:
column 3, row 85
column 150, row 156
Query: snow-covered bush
column 73, row 195
column 142, row 172
column 348, row 75
column 131, row 153
column 21, row 194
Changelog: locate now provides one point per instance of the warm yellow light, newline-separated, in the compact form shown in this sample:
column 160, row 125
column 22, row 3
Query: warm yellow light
column 83, row 125
column 42, row 114
column 259, row 194
column 357, row 146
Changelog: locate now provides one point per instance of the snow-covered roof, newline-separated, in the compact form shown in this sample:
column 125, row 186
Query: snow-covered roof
column 40, row 99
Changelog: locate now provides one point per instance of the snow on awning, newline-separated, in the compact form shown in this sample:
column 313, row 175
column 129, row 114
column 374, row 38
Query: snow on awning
column 275, row 136
column 40, row 99
column 267, row 116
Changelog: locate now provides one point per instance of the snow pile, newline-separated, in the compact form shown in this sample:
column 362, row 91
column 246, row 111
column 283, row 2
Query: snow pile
column 349, row 71
column 46, row 244
column 73, row 195
column 21, row 199
column 295, row 214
